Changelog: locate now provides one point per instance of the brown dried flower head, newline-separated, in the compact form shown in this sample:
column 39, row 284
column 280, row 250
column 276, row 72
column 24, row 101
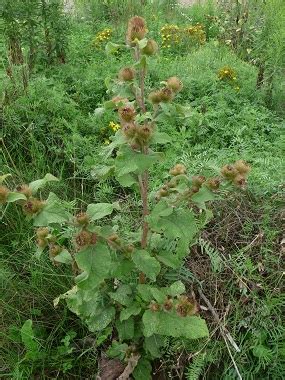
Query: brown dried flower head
column 4, row 192
column 168, row 304
column 166, row 94
column 127, row 74
column 178, row 169
column 198, row 180
column 155, row 97
column 136, row 29
column 174, row 84
column 154, row 306
column 130, row 130
column 240, row 181
column 32, row 206
column 213, row 183
column 229, row 172
column 54, row 250
column 42, row 232
column 242, row 167
column 144, row 133
column 83, row 238
column 82, row 219
column 151, row 48
column 127, row 113
column 185, row 307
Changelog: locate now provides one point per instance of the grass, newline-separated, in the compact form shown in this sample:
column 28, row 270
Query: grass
column 52, row 128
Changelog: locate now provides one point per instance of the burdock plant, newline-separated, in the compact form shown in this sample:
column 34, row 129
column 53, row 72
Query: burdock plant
column 121, row 291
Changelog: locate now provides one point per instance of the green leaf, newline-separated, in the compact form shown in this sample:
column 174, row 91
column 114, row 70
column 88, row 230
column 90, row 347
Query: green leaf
column 63, row 257
column 100, row 210
column 160, row 138
column 204, row 195
column 99, row 111
column 102, row 172
column 13, row 197
column 158, row 294
column 142, row 43
column 126, row 180
column 171, row 324
column 125, row 329
column 29, row 340
column 129, row 161
column 176, row 289
column 122, row 268
column 161, row 209
column 146, row 263
column 104, row 336
column 180, row 225
column 3, row 177
column 153, row 344
column 95, row 261
column 143, row 370
column 112, row 48
column 169, row 259
column 101, row 320
column 39, row 183
column 54, row 211
column 142, row 63
column 123, row 295
column 117, row 350
column 133, row 309
column 144, row 291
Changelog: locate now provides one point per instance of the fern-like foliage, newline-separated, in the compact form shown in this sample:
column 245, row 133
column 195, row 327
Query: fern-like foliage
column 214, row 255
column 195, row 369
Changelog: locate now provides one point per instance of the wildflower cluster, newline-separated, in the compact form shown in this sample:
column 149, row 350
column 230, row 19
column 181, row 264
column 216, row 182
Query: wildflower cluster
column 102, row 37
column 196, row 34
column 170, row 35
column 106, row 132
column 174, row 36
column 228, row 75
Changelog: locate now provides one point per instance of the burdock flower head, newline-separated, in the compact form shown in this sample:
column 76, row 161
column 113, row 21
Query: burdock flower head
column 127, row 113
column 151, row 48
column 136, row 29
column 127, row 74
column 4, row 192
column 174, row 84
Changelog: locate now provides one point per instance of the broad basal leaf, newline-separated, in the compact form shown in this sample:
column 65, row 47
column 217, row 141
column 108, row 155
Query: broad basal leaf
column 125, row 329
column 171, row 324
column 101, row 320
column 123, row 295
column 133, row 309
column 143, row 370
column 95, row 261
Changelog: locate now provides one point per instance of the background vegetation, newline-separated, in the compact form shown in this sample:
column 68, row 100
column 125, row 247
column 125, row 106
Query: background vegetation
column 52, row 78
